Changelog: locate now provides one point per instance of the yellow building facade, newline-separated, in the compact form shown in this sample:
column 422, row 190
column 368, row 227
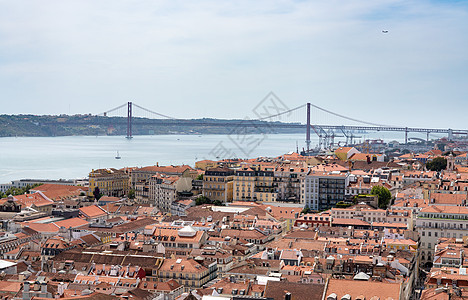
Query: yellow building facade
column 111, row 182
column 218, row 183
column 252, row 185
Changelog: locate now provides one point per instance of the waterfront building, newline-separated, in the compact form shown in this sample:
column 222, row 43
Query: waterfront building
column 111, row 182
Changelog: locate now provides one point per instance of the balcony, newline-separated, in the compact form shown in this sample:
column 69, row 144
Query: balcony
column 214, row 188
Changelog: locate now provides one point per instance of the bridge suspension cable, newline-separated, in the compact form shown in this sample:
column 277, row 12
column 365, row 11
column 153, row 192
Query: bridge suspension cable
column 153, row 112
column 348, row 118
column 282, row 113
column 114, row 109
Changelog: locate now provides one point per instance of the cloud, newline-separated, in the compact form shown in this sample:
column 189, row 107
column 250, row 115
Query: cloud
column 218, row 58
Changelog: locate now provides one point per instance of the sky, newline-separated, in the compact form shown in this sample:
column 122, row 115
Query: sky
column 193, row 59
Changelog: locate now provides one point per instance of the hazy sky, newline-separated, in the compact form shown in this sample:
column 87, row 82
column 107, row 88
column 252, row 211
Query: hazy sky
column 220, row 58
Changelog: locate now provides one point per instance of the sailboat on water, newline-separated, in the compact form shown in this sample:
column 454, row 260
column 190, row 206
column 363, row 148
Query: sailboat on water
column 118, row 156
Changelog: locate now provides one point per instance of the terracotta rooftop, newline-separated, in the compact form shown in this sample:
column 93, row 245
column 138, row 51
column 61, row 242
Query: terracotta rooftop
column 59, row 191
column 350, row 222
column 368, row 289
column 93, row 211
column 299, row 291
column 71, row 223
column 182, row 266
column 165, row 169
column 36, row 199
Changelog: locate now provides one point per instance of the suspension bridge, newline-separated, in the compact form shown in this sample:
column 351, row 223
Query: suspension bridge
column 279, row 117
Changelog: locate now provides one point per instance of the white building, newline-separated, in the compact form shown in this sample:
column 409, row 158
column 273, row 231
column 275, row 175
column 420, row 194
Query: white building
column 321, row 190
column 439, row 221
column 162, row 191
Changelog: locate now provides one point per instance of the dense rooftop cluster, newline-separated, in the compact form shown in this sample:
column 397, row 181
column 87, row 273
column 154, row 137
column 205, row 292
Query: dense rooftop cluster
column 287, row 227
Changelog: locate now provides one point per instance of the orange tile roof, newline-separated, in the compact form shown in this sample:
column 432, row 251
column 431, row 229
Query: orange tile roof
column 442, row 198
column 185, row 266
column 279, row 212
column 109, row 199
column 165, row 169
column 351, row 222
column 445, row 209
column 167, row 179
column 72, row 223
column 10, row 286
column 58, row 191
column 93, row 211
column 42, row 228
column 368, row 289
column 401, row 242
column 56, row 243
column 343, row 149
column 37, row 199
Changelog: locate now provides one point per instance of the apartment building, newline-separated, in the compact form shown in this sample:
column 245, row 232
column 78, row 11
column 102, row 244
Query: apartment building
column 288, row 178
column 372, row 215
column 218, row 184
column 175, row 241
column 111, row 182
column 252, row 185
column 439, row 221
column 145, row 173
column 321, row 191
column 162, row 191
column 187, row 272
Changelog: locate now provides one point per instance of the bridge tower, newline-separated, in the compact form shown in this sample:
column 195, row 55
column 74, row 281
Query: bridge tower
column 129, row 120
column 450, row 135
column 308, row 128
column 406, row 135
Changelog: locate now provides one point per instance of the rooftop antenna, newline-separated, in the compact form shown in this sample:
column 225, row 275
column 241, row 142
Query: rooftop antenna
column 297, row 148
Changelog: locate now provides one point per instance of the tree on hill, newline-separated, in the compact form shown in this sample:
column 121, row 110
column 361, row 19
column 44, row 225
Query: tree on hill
column 384, row 195
column 437, row 164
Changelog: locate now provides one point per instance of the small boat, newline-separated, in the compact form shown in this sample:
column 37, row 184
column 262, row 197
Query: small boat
column 118, row 156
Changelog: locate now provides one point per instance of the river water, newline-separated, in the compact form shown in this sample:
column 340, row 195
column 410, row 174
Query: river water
column 73, row 157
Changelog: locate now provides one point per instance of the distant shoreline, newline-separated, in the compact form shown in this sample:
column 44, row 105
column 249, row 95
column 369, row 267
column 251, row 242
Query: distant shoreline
column 88, row 125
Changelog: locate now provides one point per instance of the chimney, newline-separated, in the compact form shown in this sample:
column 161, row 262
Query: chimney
column 26, row 286
column 287, row 296
column 43, row 287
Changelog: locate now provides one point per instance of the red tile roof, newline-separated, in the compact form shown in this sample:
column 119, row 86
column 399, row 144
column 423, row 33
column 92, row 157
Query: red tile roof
column 59, row 191
column 93, row 211
column 37, row 199
column 72, row 223
column 368, row 289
